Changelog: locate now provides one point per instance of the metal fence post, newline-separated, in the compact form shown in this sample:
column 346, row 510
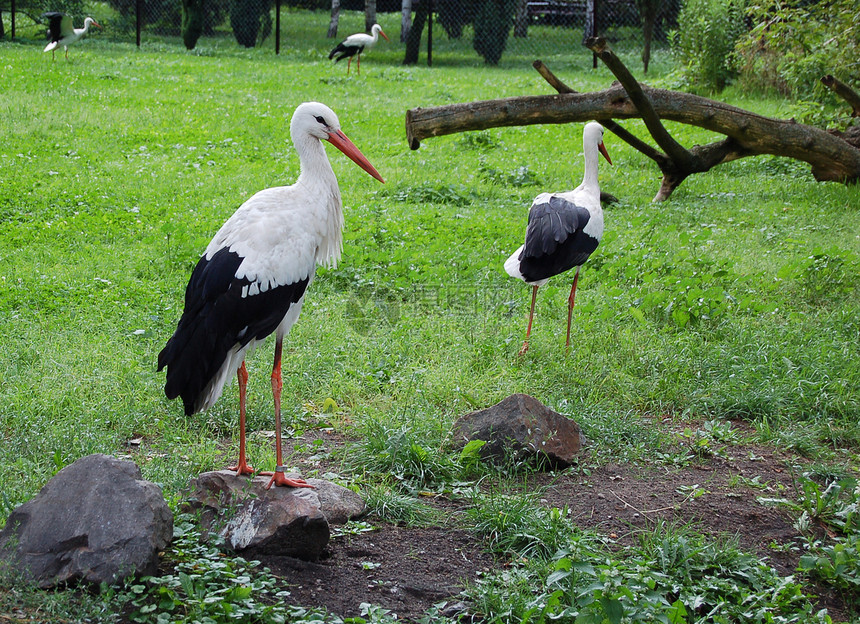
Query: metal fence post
column 277, row 26
column 429, row 33
column 13, row 19
column 138, row 10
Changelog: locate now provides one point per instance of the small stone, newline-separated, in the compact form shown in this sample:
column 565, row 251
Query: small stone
column 521, row 427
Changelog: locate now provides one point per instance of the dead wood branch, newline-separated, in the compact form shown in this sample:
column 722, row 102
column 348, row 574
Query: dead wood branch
column 845, row 92
column 746, row 133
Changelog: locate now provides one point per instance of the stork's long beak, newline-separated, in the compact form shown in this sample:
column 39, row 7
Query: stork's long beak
column 341, row 142
column 603, row 151
column 384, row 36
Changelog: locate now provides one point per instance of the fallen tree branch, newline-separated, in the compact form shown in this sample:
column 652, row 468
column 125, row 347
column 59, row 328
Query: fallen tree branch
column 845, row 92
column 746, row 133
column 609, row 124
column 674, row 150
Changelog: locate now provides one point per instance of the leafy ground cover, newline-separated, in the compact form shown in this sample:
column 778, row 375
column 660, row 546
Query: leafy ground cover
column 714, row 370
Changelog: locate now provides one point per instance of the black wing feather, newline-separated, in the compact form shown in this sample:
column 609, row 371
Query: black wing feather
column 555, row 241
column 55, row 25
column 215, row 320
column 344, row 51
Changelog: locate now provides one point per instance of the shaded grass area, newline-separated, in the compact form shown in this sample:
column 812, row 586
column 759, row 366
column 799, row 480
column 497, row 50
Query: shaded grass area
column 735, row 300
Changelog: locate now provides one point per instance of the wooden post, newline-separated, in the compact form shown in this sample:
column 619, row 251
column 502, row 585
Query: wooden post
column 277, row 26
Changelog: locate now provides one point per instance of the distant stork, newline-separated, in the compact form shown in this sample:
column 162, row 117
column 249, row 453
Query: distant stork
column 563, row 230
column 356, row 44
column 252, row 278
column 61, row 31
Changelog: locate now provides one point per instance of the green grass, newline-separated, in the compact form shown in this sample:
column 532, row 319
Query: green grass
column 736, row 299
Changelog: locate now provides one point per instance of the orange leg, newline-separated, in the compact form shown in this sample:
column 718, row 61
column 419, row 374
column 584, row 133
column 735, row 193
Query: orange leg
column 358, row 65
column 242, row 468
column 348, row 65
column 279, row 477
column 525, row 346
column 570, row 301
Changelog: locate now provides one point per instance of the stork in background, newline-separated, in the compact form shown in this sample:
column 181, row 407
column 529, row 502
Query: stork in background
column 61, row 31
column 563, row 230
column 355, row 45
column 252, row 278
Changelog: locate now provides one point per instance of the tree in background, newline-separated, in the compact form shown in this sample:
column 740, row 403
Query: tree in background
column 492, row 25
column 648, row 11
column 192, row 22
column 249, row 18
column 33, row 9
column 794, row 43
column 369, row 14
column 405, row 19
column 491, row 21
column 334, row 22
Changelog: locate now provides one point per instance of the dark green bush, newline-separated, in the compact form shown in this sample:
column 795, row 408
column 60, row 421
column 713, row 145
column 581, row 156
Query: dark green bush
column 793, row 43
column 248, row 17
column 493, row 22
column 706, row 37
column 192, row 22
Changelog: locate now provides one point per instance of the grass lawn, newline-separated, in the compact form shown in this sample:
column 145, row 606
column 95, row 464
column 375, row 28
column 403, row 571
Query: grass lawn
column 737, row 299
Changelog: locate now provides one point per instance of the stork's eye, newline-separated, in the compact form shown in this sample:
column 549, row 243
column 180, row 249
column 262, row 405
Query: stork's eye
column 320, row 119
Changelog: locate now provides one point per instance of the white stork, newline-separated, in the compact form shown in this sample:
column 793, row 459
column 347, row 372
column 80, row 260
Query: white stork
column 252, row 278
column 563, row 230
column 356, row 44
column 62, row 32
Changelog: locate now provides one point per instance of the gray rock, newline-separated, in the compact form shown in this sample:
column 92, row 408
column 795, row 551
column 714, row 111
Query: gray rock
column 339, row 504
column 520, row 427
column 96, row 521
column 283, row 521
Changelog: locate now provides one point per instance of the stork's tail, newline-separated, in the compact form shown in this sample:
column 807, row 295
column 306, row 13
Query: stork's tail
column 339, row 48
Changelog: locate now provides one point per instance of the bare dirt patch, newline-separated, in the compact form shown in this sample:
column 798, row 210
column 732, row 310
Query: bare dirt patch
column 408, row 570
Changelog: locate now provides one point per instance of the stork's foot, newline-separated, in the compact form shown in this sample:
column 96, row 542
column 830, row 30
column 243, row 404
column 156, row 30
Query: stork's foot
column 242, row 468
column 524, row 348
column 280, row 478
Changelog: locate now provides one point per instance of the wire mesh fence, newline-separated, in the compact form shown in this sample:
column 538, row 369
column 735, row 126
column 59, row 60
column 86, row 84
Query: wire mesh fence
column 489, row 31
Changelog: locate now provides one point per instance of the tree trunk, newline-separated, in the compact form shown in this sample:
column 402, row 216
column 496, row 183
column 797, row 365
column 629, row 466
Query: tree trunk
column 405, row 19
column 648, row 10
column 335, row 19
column 747, row 134
column 413, row 40
column 521, row 22
column 845, row 92
column 369, row 14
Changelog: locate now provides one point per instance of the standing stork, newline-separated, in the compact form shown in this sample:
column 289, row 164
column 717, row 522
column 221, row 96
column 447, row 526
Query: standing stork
column 252, row 278
column 563, row 230
column 62, row 31
column 356, row 44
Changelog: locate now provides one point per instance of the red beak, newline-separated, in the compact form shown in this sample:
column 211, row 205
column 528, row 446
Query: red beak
column 341, row 142
column 384, row 36
column 603, row 151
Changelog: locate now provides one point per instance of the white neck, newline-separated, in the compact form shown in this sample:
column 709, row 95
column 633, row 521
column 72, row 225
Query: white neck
column 315, row 166
column 319, row 179
column 589, row 176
